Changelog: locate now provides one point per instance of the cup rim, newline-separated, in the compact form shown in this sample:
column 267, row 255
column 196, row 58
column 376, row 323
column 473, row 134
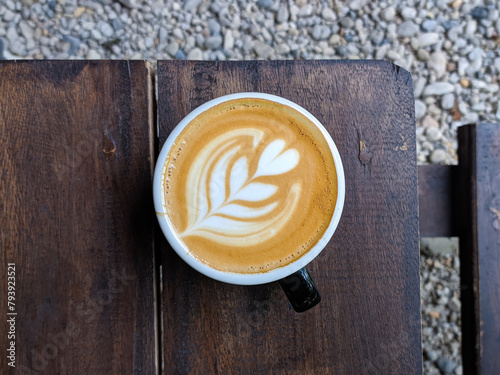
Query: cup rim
column 243, row 278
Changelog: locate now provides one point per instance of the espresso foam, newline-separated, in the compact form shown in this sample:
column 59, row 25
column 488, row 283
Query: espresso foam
column 250, row 185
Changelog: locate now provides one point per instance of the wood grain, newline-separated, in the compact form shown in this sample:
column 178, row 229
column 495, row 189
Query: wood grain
column 437, row 200
column 76, row 156
column 479, row 176
column 369, row 319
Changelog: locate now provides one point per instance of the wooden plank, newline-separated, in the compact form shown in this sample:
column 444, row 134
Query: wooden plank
column 437, row 200
column 369, row 319
column 76, row 156
column 479, row 156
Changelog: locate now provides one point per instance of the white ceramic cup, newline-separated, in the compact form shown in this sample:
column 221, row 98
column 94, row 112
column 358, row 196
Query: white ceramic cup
column 241, row 278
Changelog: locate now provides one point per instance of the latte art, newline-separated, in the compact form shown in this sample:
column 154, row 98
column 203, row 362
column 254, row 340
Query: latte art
column 249, row 185
column 228, row 205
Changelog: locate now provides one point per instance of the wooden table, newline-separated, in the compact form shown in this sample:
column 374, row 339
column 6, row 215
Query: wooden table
column 99, row 291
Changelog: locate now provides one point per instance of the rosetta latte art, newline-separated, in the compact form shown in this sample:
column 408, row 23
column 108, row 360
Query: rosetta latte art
column 228, row 204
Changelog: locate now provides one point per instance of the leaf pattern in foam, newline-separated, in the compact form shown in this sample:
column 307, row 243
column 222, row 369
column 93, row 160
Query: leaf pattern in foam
column 274, row 161
column 229, row 215
column 239, row 175
column 217, row 185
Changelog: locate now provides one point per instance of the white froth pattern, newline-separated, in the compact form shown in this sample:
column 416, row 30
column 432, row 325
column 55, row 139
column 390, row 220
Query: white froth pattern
column 226, row 216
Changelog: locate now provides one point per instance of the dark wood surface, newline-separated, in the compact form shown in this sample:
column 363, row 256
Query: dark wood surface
column 76, row 156
column 369, row 319
column 437, row 203
column 479, row 176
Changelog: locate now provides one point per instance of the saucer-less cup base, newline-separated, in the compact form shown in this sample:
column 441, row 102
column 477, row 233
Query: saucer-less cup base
column 293, row 277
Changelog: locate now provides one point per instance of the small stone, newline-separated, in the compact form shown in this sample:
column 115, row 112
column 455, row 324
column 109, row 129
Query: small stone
column 446, row 365
column 328, row 14
column 448, row 101
column 459, row 370
column 1, row 50
column 129, row 3
column 162, row 36
column 92, row 54
column 180, row 55
column 105, row 28
column 213, row 26
column 357, row 4
column 439, row 246
column 228, row 40
column 479, row 13
column 388, row 14
column 191, row 5
column 471, row 28
column 497, row 115
column 172, row 48
column 74, row 44
column 265, row 3
column 213, row 42
column 263, row 50
column 433, row 133
column 195, row 54
column 320, row 32
column 283, row 49
column 117, row 24
column 429, row 25
column 26, row 30
column 283, row 14
column 422, row 54
column 438, row 88
column 438, row 156
column 306, row 10
column 347, row 23
column 437, row 62
column 429, row 122
column 420, row 109
column 407, row 29
column 431, row 355
column 427, row 39
column 454, row 304
column 409, row 13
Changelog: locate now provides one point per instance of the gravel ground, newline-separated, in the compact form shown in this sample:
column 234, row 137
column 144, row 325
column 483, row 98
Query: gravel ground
column 451, row 48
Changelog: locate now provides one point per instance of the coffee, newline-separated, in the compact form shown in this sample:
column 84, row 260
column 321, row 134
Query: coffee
column 250, row 185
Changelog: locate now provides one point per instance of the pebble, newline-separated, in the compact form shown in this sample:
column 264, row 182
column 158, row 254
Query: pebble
column 321, row 32
column 446, row 365
column 265, row 3
column 433, row 133
column 427, row 39
column 213, row 42
column 429, row 122
column 429, row 25
column 420, row 109
column 438, row 156
column 431, row 355
column 439, row 88
column 93, row 55
column 479, row 13
column 283, row 14
column 388, row 14
column 172, row 48
column 407, row 29
column 228, row 40
column 105, row 28
column 263, row 51
column 408, row 13
column 448, row 101
column 328, row 14
column 437, row 62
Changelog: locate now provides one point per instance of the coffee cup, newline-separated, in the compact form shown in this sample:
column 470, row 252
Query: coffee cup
column 248, row 189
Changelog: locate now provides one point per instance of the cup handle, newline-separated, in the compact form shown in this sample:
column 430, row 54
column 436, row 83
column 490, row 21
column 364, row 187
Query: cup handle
column 300, row 290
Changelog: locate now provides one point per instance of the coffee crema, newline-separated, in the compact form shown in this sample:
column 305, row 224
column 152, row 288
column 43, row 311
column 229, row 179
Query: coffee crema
column 250, row 185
